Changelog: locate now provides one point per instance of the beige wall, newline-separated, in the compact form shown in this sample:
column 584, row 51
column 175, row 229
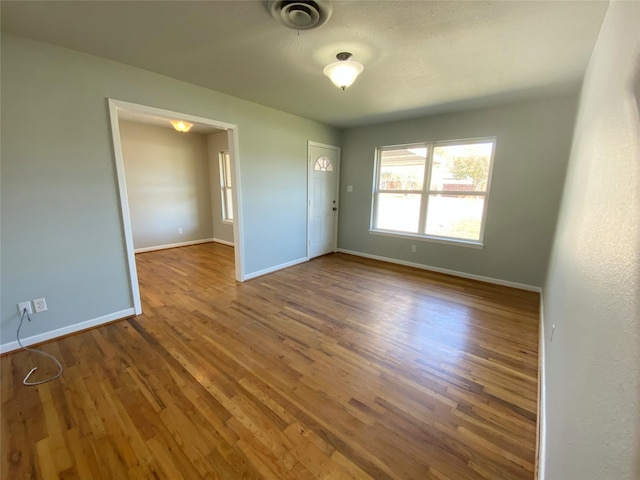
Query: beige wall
column 168, row 185
column 592, row 292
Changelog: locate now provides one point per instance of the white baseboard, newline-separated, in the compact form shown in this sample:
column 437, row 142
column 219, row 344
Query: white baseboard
column 542, row 401
column 60, row 332
column 173, row 245
column 259, row 273
column 224, row 242
column 471, row 276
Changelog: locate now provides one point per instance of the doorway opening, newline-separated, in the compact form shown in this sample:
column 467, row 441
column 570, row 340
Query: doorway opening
column 119, row 109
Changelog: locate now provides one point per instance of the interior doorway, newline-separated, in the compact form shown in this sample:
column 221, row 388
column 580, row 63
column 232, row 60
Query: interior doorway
column 118, row 108
column 322, row 218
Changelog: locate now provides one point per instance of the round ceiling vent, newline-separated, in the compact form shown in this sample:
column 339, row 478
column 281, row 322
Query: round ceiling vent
column 300, row 14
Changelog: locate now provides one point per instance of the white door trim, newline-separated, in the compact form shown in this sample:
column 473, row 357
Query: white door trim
column 309, row 172
column 232, row 132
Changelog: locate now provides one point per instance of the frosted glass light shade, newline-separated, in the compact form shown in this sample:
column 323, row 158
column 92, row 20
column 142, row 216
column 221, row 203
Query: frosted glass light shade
column 181, row 125
column 343, row 73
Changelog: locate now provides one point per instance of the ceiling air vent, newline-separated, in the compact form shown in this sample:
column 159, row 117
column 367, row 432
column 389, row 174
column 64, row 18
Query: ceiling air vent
column 300, row 14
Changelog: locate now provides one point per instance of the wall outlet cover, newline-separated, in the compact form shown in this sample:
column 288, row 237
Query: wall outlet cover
column 23, row 305
column 39, row 304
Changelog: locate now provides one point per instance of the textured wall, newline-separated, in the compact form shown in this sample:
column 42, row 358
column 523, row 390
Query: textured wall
column 592, row 294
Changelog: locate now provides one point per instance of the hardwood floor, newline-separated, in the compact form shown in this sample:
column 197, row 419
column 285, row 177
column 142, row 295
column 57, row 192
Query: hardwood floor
column 339, row 368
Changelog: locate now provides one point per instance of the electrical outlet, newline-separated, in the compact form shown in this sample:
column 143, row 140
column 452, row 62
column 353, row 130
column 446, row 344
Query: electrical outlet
column 23, row 305
column 179, row 231
column 39, row 305
column 413, row 248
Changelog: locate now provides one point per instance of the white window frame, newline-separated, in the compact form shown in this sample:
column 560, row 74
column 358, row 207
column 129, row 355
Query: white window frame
column 426, row 191
column 227, row 214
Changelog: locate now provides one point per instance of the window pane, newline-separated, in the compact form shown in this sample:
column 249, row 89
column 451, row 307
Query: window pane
column 402, row 169
column 225, row 186
column 455, row 216
column 398, row 212
column 227, row 169
column 323, row 164
column 229, row 204
column 461, row 167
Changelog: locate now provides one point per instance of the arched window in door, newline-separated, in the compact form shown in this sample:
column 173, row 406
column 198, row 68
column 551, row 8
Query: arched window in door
column 323, row 164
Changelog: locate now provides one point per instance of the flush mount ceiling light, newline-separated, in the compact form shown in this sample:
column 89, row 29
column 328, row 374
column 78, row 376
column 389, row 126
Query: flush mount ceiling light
column 343, row 72
column 300, row 14
column 181, row 125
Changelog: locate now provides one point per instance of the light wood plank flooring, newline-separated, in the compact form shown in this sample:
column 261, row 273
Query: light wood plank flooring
column 339, row 368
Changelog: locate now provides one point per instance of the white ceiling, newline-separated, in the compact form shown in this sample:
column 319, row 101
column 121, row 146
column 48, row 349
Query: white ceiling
column 420, row 57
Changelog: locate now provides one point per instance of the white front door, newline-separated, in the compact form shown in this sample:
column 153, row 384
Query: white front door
column 322, row 223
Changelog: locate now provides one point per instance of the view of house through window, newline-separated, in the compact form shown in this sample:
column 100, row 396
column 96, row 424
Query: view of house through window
column 435, row 190
column 225, row 186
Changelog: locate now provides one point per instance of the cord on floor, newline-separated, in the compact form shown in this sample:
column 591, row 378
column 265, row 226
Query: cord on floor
column 26, row 378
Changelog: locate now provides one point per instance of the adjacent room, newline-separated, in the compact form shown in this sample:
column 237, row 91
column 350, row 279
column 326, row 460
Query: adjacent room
column 320, row 239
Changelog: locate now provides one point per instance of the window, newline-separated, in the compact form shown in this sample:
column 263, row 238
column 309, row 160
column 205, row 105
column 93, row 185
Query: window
column 225, row 187
column 323, row 164
column 433, row 190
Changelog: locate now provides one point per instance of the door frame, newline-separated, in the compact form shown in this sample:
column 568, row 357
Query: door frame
column 309, row 171
column 232, row 131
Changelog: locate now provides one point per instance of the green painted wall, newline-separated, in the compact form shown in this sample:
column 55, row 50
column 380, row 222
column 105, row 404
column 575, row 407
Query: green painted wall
column 62, row 235
column 533, row 143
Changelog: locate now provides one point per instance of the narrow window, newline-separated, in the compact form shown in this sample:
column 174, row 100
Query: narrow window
column 433, row 190
column 225, row 186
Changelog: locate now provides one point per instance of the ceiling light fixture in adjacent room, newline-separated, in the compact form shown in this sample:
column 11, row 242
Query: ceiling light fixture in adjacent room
column 181, row 125
column 343, row 72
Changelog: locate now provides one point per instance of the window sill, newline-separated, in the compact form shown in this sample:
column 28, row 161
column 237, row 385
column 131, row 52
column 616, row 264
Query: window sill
column 427, row 238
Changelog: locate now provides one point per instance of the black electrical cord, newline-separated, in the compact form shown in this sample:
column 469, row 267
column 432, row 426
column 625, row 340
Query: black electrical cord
column 26, row 378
